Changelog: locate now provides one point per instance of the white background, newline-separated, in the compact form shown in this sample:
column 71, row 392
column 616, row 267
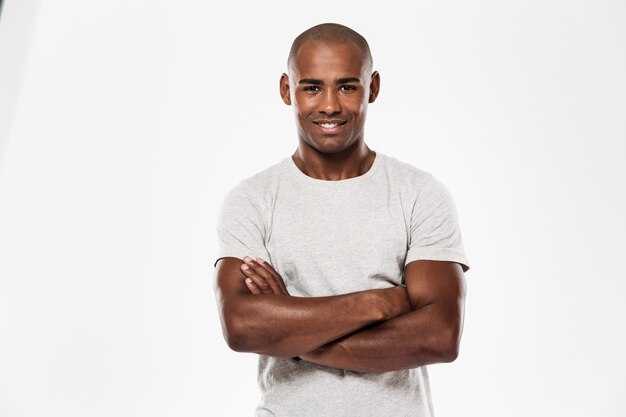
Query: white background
column 123, row 124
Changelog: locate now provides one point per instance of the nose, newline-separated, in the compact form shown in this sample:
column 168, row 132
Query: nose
column 330, row 103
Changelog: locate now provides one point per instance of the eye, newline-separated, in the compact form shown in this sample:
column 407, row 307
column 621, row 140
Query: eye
column 347, row 88
column 311, row 88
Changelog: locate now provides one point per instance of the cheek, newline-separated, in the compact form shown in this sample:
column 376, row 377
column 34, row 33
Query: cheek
column 356, row 104
column 360, row 111
column 363, row 111
column 298, row 110
column 302, row 106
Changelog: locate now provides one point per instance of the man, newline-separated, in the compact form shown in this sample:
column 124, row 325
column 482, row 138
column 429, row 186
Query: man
column 343, row 268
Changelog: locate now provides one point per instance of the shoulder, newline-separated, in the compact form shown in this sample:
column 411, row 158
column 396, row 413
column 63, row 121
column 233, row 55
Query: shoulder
column 408, row 177
column 266, row 178
column 260, row 187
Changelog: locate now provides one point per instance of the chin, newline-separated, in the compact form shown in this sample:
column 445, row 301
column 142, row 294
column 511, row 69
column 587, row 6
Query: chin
column 330, row 145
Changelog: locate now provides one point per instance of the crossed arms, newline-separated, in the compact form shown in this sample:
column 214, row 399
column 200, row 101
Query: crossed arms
column 377, row 330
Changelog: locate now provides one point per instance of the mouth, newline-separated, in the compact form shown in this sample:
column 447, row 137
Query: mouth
column 330, row 125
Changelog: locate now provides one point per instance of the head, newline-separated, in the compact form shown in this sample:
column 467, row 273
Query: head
column 330, row 84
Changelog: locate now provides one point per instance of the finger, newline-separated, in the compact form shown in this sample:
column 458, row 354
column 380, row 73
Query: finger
column 275, row 274
column 282, row 286
column 259, row 281
column 280, row 281
column 277, row 277
column 252, row 286
column 268, row 276
column 265, row 274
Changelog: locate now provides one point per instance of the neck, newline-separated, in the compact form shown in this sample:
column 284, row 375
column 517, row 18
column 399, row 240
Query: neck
column 351, row 162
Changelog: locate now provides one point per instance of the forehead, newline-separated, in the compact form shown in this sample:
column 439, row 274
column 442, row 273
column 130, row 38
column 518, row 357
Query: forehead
column 321, row 60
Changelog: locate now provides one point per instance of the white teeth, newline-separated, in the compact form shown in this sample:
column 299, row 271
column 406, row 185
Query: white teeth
column 328, row 125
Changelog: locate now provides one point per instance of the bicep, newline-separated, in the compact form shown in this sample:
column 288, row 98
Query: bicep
column 436, row 282
column 228, row 282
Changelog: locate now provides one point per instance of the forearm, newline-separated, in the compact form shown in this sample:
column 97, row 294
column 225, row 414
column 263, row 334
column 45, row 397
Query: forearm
column 286, row 326
column 414, row 339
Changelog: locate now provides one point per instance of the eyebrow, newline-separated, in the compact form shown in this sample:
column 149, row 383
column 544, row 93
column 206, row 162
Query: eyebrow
column 338, row 81
column 347, row 80
column 310, row 81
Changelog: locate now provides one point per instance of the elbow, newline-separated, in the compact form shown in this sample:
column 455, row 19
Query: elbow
column 234, row 342
column 233, row 339
column 245, row 335
column 234, row 331
column 249, row 333
column 240, row 338
column 450, row 354
column 448, row 345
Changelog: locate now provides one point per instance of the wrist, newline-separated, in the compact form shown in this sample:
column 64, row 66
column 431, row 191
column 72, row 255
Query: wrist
column 394, row 302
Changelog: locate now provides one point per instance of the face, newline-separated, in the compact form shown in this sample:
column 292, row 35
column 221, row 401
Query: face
column 329, row 88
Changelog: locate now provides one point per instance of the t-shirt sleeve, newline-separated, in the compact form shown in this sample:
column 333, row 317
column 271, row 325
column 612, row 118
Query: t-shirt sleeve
column 435, row 232
column 241, row 230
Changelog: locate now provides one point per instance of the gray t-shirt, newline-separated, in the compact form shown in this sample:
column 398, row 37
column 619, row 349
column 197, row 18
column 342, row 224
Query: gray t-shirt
column 335, row 237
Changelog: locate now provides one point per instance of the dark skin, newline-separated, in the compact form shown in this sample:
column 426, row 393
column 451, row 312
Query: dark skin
column 429, row 333
column 330, row 83
column 277, row 324
column 329, row 86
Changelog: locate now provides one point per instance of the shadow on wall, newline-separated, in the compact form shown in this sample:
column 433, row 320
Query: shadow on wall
column 17, row 21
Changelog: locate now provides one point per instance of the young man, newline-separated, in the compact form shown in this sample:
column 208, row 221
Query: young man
column 343, row 268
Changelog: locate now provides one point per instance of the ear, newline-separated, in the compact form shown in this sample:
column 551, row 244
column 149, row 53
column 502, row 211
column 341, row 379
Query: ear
column 374, row 86
column 285, row 94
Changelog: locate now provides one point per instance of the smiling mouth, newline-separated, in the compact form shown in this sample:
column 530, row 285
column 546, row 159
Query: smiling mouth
column 330, row 125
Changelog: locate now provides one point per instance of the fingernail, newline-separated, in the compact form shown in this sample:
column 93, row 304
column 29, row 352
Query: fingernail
column 248, row 281
column 247, row 259
column 259, row 260
column 244, row 266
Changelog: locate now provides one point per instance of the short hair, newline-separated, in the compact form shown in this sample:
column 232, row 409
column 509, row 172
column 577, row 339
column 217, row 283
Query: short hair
column 332, row 33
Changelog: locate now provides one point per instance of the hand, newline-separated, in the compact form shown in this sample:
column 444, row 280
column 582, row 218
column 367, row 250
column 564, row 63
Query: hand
column 262, row 278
